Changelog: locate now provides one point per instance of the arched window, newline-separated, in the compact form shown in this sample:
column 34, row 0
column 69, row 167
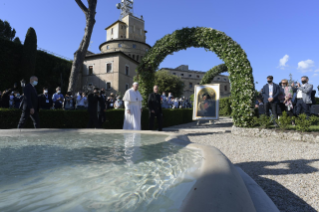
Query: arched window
column 190, row 75
column 190, row 85
column 134, row 46
column 137, row 57
column 182, row 75
column 120, row 45
column 197, row 76
column 127, row 70
column 133, row 57
column 107, row 47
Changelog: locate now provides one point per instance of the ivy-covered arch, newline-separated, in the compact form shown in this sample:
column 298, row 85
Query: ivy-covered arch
column 212, row 73
column 226, row 49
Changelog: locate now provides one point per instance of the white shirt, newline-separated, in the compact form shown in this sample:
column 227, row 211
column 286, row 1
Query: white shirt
column 299, row 92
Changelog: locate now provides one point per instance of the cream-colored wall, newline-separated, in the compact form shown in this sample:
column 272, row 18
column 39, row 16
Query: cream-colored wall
column 132, row 21
column 195, row 81
column 99, row 78
column 127, row 48
column 123, row 78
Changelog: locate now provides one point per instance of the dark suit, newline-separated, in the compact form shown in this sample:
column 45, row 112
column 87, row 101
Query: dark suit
column 93, row 101
column 102, row 113
column 154, row 104
column 273, row 104
column 45, row 101
column 29, row 101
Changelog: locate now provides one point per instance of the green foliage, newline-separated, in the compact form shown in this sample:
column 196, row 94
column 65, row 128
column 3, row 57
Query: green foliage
column 284, row 121
column 6, row 31
column 229, row 51
column 191, row 99
column 263, row 121
column 209, row 75
column 168, row 82
column 49, row 68
column 9, row 118
column 10, row 57
column 303, row 123
column 17, row 41
column 225, row 106
column 317, row 101
column 29, row 53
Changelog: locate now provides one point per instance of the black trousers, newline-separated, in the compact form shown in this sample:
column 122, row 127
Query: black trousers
column 159, row 121
column 273, row 107
column 302, row 107
column 25, row 114
column 93, row 121
column 101, row 119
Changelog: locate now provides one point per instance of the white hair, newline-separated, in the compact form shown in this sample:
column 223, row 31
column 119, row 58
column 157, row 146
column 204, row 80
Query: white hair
column 135, row 83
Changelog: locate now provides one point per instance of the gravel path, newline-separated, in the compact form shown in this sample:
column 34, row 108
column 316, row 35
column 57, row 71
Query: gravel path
column 287, row 171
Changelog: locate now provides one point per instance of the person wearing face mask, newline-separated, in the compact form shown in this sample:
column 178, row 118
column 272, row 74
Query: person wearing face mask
column 270, row 94
column 94, row 108
column 68, row 103
column 45, row 101
column 304, row 96
column 57, row 98
column 30, row 107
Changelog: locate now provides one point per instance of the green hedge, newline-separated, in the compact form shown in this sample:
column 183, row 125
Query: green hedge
column 9, row 118
column 49, row 68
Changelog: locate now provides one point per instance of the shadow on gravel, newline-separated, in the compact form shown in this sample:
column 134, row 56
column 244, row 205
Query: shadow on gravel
column 283, row 198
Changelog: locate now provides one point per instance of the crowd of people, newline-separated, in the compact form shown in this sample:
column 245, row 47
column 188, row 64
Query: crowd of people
column 295, row 98
column 170, row 102
column 94, row 101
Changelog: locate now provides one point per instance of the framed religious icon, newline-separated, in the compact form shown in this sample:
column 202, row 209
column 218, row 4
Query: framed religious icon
column 206, row 102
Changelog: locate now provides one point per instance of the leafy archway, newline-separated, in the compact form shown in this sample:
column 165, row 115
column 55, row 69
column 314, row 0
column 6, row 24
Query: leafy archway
column 212, row 73
column 226, row 49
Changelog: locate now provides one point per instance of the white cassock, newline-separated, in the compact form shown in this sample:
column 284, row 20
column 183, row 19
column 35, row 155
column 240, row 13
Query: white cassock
column 133, row 102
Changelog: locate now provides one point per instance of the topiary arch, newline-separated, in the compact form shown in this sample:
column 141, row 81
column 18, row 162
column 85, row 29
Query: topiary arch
column 212, row 73
column 226, row 49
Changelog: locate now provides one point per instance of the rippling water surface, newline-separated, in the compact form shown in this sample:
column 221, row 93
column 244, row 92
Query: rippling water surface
column 78, row 172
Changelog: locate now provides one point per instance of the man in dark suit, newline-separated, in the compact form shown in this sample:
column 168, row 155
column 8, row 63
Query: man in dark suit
column 155, row 108
column 270, row 94
column 45, row 101
column 102, row 104
column 93, row 100
column 30, row 103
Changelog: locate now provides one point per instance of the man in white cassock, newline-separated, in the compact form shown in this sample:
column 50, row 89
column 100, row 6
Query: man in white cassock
column 133, row 108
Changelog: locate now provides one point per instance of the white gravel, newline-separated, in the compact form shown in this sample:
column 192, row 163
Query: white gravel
column 288, row 171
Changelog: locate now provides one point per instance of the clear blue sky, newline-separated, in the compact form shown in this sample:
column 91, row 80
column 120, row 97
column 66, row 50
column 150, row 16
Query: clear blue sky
column 269, row 31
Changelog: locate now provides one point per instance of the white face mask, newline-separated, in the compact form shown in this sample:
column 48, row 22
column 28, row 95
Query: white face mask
column 59, row 91
column 45, row 91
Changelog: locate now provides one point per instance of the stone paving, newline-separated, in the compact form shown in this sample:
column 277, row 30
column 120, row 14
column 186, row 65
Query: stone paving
column 288, row 171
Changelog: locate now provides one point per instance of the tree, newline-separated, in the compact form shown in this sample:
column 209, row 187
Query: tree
column 29, row 54
column 6, row 31
column 79, row 55
column 17, row 40
column 168, row 82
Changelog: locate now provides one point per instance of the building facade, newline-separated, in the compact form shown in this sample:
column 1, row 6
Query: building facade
column 114, row 67
column 192, row 78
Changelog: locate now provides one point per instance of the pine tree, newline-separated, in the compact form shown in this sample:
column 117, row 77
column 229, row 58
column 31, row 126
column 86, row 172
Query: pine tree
column 29, row 53
column 17, row 40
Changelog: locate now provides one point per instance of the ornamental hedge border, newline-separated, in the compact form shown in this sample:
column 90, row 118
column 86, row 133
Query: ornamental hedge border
column 226, row 49
column 9, row 118
column 212, row 73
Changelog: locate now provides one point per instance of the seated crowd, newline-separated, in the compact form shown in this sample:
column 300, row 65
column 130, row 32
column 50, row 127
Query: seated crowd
column 295, row 98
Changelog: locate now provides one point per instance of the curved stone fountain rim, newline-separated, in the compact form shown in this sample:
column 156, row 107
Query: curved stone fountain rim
column 219, row 186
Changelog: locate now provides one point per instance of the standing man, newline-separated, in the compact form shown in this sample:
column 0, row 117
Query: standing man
column 93, row 100
column 304, row 96
column 30, row 105
column 155, row 108
column 270, row 94
column 57, row 98
column 45, row 102
column 133, row 108
column 102, row 107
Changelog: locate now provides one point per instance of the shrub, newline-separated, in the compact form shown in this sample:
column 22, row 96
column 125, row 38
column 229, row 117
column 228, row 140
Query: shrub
column 263, row 121
column 225, row 106
column 284, row 121
column 9, row 118
column 303, row 122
